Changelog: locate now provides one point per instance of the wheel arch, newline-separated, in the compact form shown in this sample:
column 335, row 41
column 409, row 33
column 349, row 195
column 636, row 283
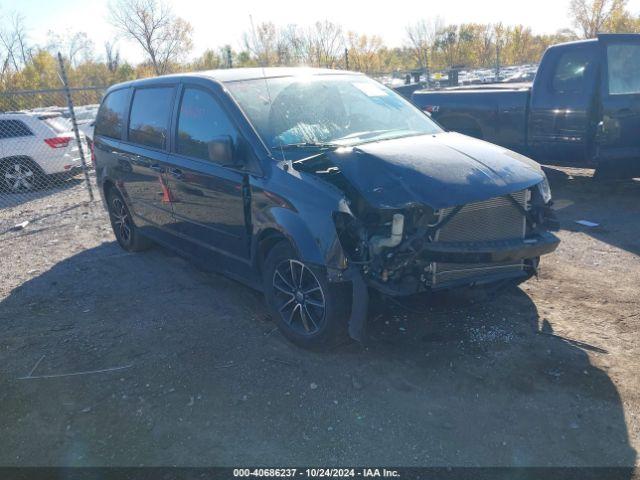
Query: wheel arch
column 107, row 185
column 27, row 158
column 287, row 225
column 264, row 243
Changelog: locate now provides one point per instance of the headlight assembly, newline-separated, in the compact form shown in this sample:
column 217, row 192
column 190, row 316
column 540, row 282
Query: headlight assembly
column 545, row 190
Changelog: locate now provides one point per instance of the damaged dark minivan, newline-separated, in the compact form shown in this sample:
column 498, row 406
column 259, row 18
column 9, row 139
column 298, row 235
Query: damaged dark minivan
column 315, row 186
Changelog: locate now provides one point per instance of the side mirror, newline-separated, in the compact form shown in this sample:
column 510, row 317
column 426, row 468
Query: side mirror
column 221, row 151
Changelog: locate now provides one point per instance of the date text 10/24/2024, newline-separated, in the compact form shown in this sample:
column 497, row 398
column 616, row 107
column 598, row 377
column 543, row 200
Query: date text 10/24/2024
column 316, row 472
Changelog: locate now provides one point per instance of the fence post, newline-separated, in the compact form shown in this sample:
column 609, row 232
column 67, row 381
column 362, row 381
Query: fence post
column 229, row 58
column 65, row 83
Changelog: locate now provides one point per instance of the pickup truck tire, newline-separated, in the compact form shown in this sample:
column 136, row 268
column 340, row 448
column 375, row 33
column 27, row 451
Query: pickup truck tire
column 308, row 310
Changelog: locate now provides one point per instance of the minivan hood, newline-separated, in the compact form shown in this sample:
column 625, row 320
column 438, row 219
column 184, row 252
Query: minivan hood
column 440, row 170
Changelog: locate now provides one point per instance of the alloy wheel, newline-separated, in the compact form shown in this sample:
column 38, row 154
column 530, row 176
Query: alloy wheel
column 299, row 297
column 19, row 177
column 121, row 219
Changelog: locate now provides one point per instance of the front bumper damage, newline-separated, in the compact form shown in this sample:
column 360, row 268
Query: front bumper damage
column 462, row 253
column 411, row 267
column 492, row 252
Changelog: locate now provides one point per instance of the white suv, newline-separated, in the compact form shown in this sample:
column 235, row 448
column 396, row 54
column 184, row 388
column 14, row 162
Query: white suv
column 33, row 146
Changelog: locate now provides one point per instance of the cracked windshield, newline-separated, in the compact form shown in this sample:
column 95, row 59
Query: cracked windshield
column 327, row 110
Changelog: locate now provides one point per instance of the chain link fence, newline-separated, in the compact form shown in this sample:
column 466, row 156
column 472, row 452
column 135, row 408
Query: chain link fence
column 45, row 150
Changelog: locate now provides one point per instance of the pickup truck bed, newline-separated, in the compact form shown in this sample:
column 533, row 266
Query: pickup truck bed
column 582, row 109
column 495, row 113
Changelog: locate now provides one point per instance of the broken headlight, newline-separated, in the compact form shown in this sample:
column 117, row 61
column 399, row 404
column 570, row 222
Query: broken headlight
column 545, row 190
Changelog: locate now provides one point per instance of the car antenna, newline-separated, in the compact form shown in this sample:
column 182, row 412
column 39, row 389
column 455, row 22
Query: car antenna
column 266, row 83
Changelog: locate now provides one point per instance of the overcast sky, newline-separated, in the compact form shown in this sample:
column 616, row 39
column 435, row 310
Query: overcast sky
column 218, row 22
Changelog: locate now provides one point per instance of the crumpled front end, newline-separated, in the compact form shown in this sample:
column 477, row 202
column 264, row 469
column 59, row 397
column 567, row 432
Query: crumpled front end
column 406, row 251
column 433, row 212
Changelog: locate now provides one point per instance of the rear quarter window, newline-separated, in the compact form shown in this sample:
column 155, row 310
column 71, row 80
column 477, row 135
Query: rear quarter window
column 110, row 119
column 149, row 118
column 14, row 129
column 623, row 69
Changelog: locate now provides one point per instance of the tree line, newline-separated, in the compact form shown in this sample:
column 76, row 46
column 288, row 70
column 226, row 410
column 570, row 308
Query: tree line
column 164, row 38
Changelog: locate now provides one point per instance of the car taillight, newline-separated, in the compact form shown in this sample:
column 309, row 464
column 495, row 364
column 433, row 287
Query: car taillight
column 58, row 142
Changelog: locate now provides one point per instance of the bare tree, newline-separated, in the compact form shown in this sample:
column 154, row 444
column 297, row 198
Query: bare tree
column 76, row 47
column 291, row 45
column 590, row 17
column 164, row 37
column 262, row 42
column 421, row 37
column 325, row 43
column 485, row 44
column 112, row 56
column 448, row 43
column 13, row 43
column 364, row 52
column 80, row 46
column 499, row 36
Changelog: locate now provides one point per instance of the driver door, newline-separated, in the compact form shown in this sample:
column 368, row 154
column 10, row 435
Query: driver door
column 207, row 196
column 618, row 136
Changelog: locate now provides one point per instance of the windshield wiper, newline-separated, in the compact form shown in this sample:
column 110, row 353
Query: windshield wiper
column 294, row 146
column 364, row 134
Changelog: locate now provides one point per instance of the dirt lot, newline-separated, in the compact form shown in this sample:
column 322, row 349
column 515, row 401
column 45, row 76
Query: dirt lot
column 108, row 358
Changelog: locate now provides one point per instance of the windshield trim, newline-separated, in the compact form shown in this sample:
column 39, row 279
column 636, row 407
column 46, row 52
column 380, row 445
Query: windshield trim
column 344, row 73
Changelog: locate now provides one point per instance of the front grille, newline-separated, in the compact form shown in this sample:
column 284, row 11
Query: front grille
column 494, row 219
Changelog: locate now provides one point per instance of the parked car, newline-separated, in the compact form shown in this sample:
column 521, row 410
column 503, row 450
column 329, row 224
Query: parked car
column 85, row 118
column 314, row 186
column 33, row 146
column 583, row 108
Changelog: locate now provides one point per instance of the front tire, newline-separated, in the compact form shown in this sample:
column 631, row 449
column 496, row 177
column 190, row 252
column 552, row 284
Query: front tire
column 126, row 232
column 307, row 309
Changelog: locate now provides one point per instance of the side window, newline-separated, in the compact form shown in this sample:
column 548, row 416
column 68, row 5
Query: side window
column 571, row 69
column 623, row 66
column 13, row 129
column 202, row 123
column 149, row 118
column 110, row 117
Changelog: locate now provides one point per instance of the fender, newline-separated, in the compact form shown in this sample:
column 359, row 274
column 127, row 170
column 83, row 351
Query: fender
column 312, row 247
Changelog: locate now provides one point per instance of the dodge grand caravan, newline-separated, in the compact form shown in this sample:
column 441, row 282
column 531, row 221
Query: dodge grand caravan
column 315, row 186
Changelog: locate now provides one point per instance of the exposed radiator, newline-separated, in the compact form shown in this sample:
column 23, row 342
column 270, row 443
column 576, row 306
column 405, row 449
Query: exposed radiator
column 494, row 219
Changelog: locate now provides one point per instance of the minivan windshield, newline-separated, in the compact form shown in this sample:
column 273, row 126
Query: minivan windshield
column 327, row 110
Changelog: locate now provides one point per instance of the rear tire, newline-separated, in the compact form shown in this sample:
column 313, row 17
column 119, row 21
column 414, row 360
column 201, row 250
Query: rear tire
column 21, row 175
column 126, row 232
column 307, row 309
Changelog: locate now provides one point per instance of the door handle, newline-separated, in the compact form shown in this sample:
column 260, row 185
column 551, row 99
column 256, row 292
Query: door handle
column 157, row 168
column 176, row 173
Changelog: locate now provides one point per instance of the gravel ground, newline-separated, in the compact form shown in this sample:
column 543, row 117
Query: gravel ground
column 109, row 358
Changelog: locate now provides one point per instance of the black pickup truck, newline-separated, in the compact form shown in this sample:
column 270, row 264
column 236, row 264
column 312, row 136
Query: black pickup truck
column 583, row 108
